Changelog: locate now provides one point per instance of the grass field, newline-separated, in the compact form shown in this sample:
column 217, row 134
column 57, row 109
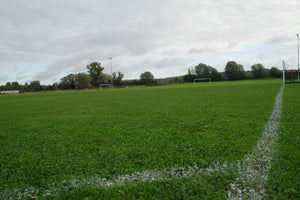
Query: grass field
column 102, row 144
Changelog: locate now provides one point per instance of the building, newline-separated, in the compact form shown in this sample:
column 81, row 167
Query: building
column 10, row 92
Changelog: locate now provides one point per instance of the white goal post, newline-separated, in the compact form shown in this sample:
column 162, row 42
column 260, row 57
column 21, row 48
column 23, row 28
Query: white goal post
column 283, row 71
column 102, row 86
column 202, row 79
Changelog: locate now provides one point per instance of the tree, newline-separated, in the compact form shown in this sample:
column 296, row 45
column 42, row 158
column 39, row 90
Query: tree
column 190, row 76
column 146, row 77
column 82, row 81
column 67, row 82
column 117, row 78
column 178, row 80
column 104, row 78
column 202, row 70
column 15, row 85
column 131, row 82
column 241, row 72
column 95, row 71
column 258, row 71
column 234, row 71
column 47, row 87
column 74, row 81
column 275, row 72
column 55, row 86
column 8, row 86
column 35, row 86
column 26, row 87
column 206, row 71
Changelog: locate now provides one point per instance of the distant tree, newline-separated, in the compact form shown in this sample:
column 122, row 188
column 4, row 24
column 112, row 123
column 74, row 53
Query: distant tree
column 55, row 86
column 178, row 80
column 147, row 77
column 275, row 72
column 131, row 82
column 234, row 71
column 82, row 81
column 241, row 72
column 26, row 87
column 74, row 81
column 267, row 73
column 258, row 71
column 15, row 85
column 117, row 79
column 95, row 71
column 230, row 70
column 35, row 86
column 67, row 82
column 206, row 71
column 202, row 70
column 47, row 87
column 104, row 79
column 8, row 86
column 190, row 76
column 215, row 75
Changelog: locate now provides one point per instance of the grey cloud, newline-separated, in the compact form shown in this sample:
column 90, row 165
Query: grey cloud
column 201, row 50
column 169, row 62
column 3, row 79
column 69, row 64
column 282, row 51
column 161, row 64
column 66, row 35
column 281, row 39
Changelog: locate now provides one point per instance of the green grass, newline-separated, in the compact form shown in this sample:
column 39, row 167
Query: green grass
column 47, row 138
column 284, row 181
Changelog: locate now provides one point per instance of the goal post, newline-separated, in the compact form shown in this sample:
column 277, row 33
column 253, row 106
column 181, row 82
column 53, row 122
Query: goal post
column 202, row 80
column 105, row 86
column 289, row 73
column 283, row 71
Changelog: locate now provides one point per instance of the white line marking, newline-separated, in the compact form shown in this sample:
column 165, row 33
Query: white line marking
column 254, row 169
column 98, row 182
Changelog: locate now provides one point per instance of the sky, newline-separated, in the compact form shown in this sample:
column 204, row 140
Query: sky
column 47, row 40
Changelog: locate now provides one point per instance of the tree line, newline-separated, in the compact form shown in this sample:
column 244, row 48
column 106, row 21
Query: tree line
column 95, row 76
column 233, row 71
column 92, row 79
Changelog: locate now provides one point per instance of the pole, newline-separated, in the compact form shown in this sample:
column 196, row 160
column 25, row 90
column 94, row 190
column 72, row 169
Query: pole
column 283, row 73
column 298, row 54
column 111, row 81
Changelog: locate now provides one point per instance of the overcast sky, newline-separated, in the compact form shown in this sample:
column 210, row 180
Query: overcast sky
column 46, row 40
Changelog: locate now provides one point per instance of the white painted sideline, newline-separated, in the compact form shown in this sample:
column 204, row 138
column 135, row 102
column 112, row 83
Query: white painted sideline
column 254, row 169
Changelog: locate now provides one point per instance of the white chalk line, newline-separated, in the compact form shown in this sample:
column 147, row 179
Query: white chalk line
column 134, row 178
column 253, row 171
